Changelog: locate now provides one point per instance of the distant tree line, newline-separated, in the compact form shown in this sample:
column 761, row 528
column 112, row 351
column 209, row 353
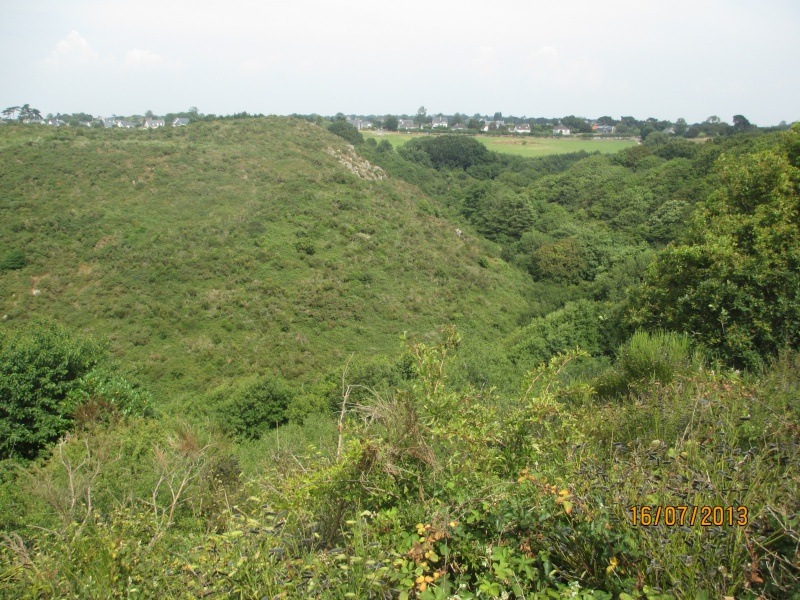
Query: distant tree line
column 627, row 126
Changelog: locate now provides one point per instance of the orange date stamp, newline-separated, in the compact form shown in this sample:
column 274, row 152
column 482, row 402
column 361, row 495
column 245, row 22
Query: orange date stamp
column 680, row 516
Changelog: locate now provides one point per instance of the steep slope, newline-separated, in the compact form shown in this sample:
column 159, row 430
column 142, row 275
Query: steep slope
column 233, row 247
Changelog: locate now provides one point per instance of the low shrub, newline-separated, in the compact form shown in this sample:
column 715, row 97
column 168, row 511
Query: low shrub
column 254, row 406
column 13, row 260
column 645, row 358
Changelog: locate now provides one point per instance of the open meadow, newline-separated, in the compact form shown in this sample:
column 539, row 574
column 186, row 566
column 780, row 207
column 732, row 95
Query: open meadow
column 522, row 145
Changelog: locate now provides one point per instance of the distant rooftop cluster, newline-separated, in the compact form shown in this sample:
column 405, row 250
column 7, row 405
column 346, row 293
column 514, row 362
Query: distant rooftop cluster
column 109, row 123
column 31, row 116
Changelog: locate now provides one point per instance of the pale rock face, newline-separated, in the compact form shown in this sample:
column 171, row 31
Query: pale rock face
column 357, row 165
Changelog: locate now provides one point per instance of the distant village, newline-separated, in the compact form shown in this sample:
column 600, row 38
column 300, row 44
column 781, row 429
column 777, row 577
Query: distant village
column 109, row 123
column 571, row 125
column 486, row 125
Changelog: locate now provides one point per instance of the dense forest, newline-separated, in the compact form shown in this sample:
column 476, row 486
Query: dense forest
column 263, row 357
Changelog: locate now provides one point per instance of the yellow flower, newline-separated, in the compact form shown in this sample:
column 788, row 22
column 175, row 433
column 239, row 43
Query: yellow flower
column 612, row 564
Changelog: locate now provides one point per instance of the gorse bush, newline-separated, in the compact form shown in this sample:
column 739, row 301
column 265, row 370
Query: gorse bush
column 646, row 358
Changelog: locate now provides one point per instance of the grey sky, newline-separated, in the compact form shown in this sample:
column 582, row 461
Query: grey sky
column 685, row 58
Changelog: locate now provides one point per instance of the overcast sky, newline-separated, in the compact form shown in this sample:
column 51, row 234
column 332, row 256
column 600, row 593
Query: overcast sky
column 537, row 58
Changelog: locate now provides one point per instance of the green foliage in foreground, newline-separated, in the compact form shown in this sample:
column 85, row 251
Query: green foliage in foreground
column 734, row 285
column 429, row 494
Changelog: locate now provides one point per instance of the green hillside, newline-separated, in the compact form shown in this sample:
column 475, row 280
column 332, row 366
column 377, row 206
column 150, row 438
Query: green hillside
column 234, row 247
column 611, row 410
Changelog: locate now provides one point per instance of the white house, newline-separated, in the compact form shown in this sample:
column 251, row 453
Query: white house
column 603, row 128
column 522, row 128
column 493, row 125
column 406, row 124
column 561, row 130
column 439, row 122
column 359, row 123
column 182, row 122
column 153, row 123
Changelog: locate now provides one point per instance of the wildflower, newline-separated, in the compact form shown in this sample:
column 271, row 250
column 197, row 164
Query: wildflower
column 612, row 565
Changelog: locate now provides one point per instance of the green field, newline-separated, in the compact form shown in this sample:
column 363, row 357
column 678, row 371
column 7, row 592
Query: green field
column 522, row 146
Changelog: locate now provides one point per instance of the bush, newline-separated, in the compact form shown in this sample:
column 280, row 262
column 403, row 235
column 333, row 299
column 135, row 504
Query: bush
column 644, row 359
column 39, row 369
column 344, row 130
column 254, row 406
column 305, row 247
column 13, row 260
column 575, row 324
column 563, row 261
column 109, row 392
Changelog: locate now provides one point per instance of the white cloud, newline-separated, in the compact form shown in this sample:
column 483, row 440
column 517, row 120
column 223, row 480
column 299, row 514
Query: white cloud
column 144, row 58
column 485, row 61
column 72, row 50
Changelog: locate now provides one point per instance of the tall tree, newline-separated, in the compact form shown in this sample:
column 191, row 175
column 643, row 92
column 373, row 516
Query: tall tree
column 391, row 123
column 11, row 111
column 421, row 117
column 740, row 123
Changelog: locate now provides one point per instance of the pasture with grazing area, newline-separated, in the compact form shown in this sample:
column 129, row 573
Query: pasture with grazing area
column 522, row 145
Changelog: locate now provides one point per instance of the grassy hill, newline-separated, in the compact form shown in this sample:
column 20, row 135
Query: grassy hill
column 234, row 247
